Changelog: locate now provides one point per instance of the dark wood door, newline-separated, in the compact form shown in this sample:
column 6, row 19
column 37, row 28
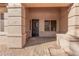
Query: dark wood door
column 35, row 27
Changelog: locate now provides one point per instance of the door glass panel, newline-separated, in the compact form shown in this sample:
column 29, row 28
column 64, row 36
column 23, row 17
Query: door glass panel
column 53, row 25
column 35, row 28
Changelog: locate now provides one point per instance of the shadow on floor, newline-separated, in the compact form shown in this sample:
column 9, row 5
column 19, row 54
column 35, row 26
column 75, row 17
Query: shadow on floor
column 39, row 40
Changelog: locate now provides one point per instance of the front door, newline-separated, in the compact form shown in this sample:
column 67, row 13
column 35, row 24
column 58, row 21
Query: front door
column 35, row 27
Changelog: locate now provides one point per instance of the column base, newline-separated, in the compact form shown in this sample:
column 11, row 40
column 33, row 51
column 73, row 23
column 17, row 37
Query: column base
column 14, row 42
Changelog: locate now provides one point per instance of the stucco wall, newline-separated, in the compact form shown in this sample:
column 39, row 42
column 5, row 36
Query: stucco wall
column 73, row 27
column 14, row 28
column 44, row 14
column 25, row 25
column 71, row 38
column 63, row 20
column 17, row 23
column 73, row 21
column 3, row 25
column 28, row 29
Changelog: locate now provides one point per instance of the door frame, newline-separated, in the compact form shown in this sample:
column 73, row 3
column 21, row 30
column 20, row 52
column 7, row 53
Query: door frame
column 32, row 27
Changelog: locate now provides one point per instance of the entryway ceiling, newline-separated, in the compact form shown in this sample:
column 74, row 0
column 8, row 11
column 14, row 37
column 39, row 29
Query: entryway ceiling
column 3, row 7
column 3, row 4
column 30, row 5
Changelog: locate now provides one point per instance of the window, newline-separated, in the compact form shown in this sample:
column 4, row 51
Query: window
column 47, row 25
column 1, row 22
column 50, row 25
column 53, row 25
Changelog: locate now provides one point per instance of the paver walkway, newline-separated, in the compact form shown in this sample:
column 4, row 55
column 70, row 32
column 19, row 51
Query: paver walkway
column 36, row 47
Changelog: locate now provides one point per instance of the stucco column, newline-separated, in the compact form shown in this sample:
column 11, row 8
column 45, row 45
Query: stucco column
column 73, row 28
column 14, row 26
column 70, row 41
column 3, row 25
column 73, row 20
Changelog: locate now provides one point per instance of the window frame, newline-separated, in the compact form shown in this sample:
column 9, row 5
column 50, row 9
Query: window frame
column 50, row 25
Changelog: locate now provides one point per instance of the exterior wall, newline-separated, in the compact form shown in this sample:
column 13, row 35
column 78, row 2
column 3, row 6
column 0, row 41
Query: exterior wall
column 15, row 27
column 17, row 23
column 23, row 26
column 63, row 20
column 62, row 37
column 45, row 14
column 26, row 25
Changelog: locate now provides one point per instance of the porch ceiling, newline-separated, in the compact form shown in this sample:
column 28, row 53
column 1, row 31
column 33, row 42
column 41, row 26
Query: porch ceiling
column 3, row 7
column 31, row 5
column 3, row 4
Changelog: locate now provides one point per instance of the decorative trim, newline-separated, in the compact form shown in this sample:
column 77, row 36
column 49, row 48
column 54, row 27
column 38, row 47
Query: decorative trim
column 14, row 7
column 14, row 16
column 14, row 36
column 2, row 34
column 72, row 16
column 15, row 25
column 74, row 7
column 73, row 25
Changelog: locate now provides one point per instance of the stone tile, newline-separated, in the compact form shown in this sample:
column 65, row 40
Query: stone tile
column 34, row 47
column 57, row 52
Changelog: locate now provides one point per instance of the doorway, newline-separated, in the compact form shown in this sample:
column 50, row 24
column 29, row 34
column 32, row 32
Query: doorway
column 35, row 27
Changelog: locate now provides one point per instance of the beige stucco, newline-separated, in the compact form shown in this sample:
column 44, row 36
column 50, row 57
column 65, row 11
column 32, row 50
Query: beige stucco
column 70, row 39
column 18, row 21
column 44, row 14
column 63, row 20
column 47, row 14
column 18, row 25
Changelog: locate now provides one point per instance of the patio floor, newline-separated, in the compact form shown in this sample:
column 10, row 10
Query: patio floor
column 35, row 46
